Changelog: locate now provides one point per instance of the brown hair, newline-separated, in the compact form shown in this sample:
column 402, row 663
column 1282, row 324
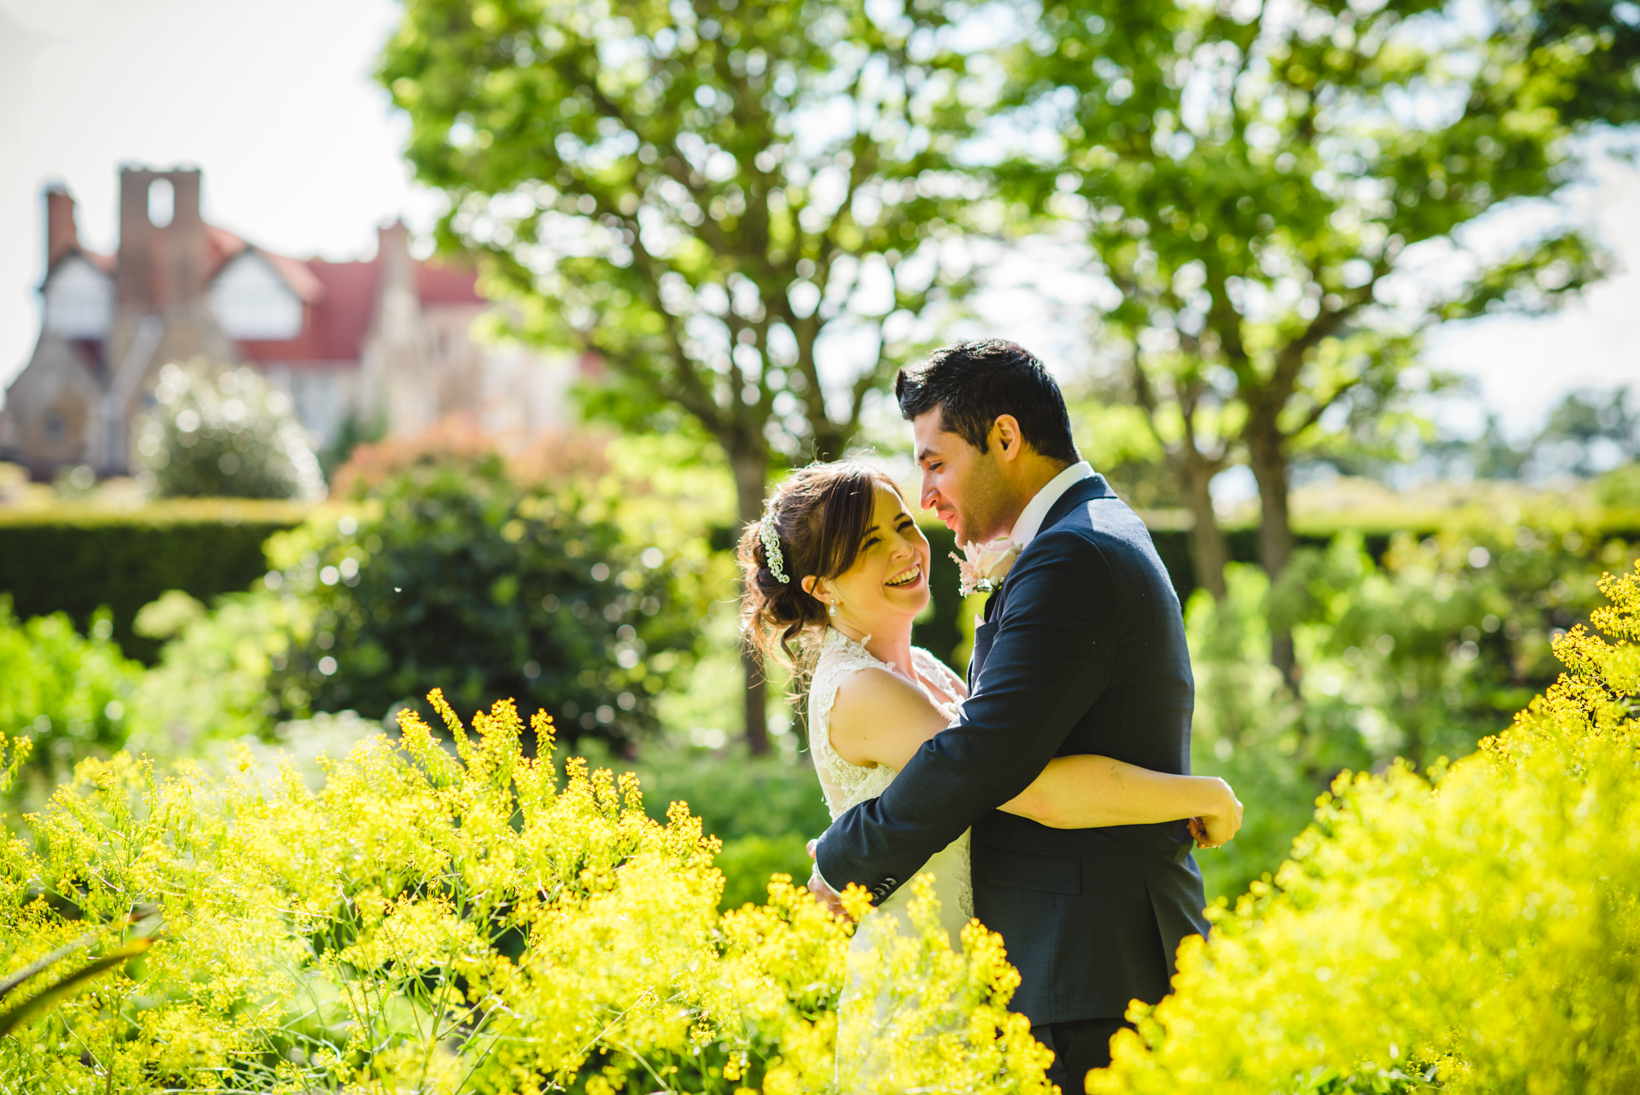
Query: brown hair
column 821, row 514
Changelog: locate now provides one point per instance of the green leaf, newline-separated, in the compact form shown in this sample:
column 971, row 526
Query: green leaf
column 71, row 984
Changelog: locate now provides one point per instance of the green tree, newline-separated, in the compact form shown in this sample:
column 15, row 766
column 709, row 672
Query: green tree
column 1268, row 186
column 226, row 435
column 701, row 194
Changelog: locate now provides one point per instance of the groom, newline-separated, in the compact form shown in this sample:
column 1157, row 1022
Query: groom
column 1081, row 650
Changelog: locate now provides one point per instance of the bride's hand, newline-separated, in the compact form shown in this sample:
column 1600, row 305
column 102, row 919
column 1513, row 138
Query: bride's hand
column 822, row 892
column 1215, row 829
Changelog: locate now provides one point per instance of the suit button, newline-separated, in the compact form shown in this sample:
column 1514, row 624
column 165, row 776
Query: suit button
column 890, row 882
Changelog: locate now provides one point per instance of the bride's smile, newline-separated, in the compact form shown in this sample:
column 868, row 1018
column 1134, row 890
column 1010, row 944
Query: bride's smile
column 900, row 581
column 887, row 584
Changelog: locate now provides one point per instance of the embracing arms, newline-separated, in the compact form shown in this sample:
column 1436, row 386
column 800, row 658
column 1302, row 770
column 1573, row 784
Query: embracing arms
column 878, row 718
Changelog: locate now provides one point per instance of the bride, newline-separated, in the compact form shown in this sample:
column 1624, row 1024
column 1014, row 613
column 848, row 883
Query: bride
column 835, row 573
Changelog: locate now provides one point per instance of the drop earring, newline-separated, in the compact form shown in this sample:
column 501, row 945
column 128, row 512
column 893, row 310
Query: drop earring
column 833, row 608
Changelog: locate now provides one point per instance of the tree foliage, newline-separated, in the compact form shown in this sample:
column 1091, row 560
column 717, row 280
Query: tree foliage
column 1287, row 195
column 704, row 196
column 697, row 192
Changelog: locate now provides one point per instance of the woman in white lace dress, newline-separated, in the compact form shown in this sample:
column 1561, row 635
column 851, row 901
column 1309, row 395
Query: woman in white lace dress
column 835, row 573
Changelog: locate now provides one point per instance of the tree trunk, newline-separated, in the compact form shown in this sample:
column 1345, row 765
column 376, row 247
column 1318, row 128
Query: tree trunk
column 1208, row 550
column 1267, row 456
column 751, row 471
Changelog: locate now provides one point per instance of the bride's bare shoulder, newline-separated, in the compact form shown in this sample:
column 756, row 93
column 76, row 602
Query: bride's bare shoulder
column 870, row 687
column 879, row 718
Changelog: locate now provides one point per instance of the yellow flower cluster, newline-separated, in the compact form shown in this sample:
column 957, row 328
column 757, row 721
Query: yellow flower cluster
column 451, row 920
column 1478, row 931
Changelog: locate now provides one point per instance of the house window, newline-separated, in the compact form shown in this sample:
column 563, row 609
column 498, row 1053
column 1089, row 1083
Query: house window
column 79, row 300
column 162, row 202
column 54, row 428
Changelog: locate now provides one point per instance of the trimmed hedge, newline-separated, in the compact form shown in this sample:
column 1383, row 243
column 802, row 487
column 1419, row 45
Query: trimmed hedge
column 75, row 559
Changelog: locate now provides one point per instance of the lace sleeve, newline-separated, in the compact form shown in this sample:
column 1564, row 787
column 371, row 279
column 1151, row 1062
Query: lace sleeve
column 939, row 674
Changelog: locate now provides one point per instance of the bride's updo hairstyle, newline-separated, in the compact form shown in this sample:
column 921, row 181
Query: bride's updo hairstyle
column 820, row 514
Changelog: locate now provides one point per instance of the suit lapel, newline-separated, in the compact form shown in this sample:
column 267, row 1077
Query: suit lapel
column 1080, row 493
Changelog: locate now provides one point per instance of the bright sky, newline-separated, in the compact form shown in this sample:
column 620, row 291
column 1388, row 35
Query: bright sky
column 273, row 99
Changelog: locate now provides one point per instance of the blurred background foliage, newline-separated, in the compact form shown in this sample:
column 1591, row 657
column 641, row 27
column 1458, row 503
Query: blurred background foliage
column 1412, row 644
column 703, row 197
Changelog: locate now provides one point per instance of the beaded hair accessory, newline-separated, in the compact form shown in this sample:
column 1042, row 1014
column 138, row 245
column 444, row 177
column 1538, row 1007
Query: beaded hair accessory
column 771, row 551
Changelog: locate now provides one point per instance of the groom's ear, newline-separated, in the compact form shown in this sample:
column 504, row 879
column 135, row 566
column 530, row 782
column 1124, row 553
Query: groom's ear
column 1006, row 436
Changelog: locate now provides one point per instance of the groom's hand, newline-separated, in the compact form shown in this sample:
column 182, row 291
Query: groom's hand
column 822, row 892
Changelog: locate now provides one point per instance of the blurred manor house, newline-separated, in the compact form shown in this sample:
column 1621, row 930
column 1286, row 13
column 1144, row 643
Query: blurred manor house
column 385, row 343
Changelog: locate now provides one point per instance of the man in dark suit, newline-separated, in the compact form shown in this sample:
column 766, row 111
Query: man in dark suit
column 1081, row 650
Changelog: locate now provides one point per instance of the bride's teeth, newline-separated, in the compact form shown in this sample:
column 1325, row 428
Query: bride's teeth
column 905, row 579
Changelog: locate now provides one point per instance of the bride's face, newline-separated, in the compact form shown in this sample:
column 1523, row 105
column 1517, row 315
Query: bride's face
column 890, row 575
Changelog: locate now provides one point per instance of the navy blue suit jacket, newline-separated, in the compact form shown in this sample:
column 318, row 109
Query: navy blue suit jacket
column 1082, row 650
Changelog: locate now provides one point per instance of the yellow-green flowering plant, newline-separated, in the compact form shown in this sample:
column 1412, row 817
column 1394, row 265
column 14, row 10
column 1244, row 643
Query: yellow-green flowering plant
column 1478, row 931
column 447, row 920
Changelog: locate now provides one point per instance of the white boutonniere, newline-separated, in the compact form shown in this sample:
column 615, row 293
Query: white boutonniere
column 983, row 566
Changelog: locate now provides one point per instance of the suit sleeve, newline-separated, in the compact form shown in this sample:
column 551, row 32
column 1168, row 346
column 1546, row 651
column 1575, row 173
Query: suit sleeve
column 1049, row 662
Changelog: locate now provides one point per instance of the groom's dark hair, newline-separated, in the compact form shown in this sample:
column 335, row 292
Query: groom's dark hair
column 971, row 383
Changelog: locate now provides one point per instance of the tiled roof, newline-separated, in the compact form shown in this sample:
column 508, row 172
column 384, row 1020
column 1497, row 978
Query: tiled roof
column 442, row 283
column 336, row 317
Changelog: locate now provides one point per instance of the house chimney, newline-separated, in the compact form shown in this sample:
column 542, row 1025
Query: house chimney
column 398, row 269
column 161, row 265
column 61, row 235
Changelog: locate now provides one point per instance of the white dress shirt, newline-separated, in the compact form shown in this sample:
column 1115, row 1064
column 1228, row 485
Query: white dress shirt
column 1036, row 510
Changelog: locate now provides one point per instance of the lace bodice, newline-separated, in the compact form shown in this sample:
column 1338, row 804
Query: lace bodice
column 847, row 785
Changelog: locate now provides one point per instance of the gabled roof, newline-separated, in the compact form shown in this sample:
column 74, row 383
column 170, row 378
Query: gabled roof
column 105, row 263
column 337, row 318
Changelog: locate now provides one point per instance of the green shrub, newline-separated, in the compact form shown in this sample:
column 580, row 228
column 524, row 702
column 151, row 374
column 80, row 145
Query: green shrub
column 1620, row 488
column 69, row 695
column 1479, row 932
column 733, row 794
column 215, row 673
column 1246, row 730
column 226, row 435
column 77, row 559
column 749, row 863
column 456, row 572
column 1417, row 656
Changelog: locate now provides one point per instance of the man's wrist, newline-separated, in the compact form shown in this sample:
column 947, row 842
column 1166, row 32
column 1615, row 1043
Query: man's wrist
column 1218, row 799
